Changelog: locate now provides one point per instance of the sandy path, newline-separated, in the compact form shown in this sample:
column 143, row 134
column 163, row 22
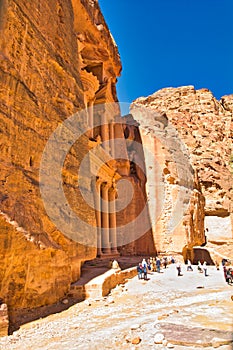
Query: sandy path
column 149, row 306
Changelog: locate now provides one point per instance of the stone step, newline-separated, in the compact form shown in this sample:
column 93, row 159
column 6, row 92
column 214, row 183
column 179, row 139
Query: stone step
column 101, row 286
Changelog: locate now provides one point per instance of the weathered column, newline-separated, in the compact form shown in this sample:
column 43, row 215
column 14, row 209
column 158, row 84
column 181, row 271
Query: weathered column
column 104, row 131
column 111, row 137
column 90, row 87
column 112, row 220
column 90, row 117
column 105, row 219
column 97, row 200
column 123, row 167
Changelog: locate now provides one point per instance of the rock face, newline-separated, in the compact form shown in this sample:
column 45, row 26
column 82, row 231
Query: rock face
column 136, row 214
column 56, row 57
column 204, row 127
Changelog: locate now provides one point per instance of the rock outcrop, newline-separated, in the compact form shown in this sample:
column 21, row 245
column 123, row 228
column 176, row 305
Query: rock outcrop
column 204, row 126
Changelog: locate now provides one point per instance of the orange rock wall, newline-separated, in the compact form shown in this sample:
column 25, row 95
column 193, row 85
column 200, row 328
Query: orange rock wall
column 44, row 45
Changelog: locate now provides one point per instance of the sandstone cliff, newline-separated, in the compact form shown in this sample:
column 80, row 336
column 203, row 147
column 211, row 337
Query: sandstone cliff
column 56, row 57
column 204, row 126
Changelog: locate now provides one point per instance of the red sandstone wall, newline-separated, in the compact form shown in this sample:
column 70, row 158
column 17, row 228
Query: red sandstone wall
column 44, row 45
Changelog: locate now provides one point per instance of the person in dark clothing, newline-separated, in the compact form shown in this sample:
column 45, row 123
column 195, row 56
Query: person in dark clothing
column 178, row 267
column 144, row 267
column 140, row 271
column 158, row 264
column 165, row 262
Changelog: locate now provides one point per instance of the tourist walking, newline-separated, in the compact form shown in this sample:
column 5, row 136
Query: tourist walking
column 225, row 272
column 148, row 265
column 204, row 266
column 199, row 266
column 189, row 267
column 178, row 267
column 140, row 271
column 158, row 264
column 172, row 260
column 229, row 275
column 153, row 265
column 165, row 262
column 144, row 267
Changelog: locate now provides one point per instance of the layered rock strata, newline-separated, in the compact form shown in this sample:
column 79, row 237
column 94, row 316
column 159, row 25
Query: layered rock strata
column 204, row 129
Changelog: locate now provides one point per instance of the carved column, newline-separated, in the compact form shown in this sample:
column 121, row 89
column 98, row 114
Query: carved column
column 104, row 131
column 105, row 219
column 90, row 86
column 97, row 198
column 111, row 137
column 121, row 151
column 90, row 117
column 112, row 219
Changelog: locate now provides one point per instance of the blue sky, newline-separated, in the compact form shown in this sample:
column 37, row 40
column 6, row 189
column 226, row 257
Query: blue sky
column 171, row 43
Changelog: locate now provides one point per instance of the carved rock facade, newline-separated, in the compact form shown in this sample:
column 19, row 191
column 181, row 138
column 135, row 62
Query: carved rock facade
column 57, row 57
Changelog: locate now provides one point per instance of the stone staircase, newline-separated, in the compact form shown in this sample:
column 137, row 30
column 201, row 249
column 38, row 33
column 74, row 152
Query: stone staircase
column 100, row 286
column 98, row 278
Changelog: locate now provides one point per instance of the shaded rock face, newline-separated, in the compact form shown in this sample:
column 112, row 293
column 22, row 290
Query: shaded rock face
column 137, row 212
column 55, row 56
column 204, row 126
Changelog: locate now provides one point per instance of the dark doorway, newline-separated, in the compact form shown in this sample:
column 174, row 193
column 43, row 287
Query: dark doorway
column 200, row 254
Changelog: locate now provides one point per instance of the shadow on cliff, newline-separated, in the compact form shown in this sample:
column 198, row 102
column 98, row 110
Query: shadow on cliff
column 90, row 270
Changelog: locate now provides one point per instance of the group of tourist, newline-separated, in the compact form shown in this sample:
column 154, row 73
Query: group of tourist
column 202, row 267
column 153, row 264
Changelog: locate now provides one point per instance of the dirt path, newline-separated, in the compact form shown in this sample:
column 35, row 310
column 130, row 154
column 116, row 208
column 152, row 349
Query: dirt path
column 189, row 311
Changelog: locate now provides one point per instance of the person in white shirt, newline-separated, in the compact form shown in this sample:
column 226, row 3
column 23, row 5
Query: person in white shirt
column 204, row 266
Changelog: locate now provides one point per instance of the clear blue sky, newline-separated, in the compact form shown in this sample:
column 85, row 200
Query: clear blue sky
column 171, row 43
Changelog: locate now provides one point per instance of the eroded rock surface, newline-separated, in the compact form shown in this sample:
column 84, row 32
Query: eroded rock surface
column 204, row 127
column 55, row 56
